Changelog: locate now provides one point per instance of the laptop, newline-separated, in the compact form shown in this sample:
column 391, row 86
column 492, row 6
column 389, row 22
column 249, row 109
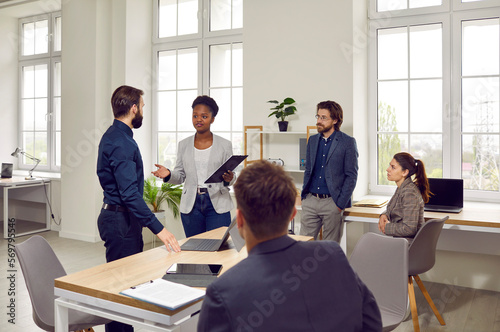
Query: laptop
column 238, row 241
column 208, row 244
column 448, row 195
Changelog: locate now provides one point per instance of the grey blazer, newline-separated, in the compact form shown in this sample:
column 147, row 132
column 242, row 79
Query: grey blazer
column 341, row 167
column 185, row 171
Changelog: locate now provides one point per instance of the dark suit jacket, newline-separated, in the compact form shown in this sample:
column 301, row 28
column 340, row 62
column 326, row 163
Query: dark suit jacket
column 341, row 167
column 285, row 285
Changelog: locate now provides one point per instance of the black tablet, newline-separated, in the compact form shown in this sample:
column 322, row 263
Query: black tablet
column 197, row 269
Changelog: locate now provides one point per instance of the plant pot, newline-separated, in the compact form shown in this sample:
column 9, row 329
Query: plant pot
column 283, row 125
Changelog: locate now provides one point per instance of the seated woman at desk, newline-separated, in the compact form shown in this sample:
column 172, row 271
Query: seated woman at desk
column 405, row 211
column 203, row 206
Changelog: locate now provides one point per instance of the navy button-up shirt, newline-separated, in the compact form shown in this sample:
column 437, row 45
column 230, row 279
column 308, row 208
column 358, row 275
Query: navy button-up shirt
column 318, row 181
column 121, row 174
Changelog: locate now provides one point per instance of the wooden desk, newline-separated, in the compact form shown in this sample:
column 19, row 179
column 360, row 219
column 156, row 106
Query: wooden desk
column 25, row 199
column 96, row 290
column 473, row 214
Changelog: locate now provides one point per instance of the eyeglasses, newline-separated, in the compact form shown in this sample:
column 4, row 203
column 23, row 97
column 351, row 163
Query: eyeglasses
column 322, row 118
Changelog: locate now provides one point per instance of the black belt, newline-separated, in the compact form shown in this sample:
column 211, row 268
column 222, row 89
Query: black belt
column 321, row 195
column 114, row 208
column 202, row 191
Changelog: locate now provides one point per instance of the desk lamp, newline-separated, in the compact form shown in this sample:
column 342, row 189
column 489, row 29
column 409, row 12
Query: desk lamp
column 27, row 155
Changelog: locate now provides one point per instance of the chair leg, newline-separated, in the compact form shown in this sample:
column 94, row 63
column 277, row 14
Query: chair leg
column 413, row 305
column 429, row 300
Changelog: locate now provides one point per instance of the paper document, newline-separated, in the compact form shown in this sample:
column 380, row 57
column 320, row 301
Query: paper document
column 164, row 293
column 371, row 202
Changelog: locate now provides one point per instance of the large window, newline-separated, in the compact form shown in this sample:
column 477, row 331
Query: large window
column 197, row 54
column 435, row 90
column 40, row 90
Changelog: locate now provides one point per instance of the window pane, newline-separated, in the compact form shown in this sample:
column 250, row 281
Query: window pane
column 424, row 3
column 238, row 146
column 41, row 147
column 57, row 113
column 386, row 5
column 188, row 69
column 237, row 14
column 41, row 114
column 392, row 53
column 237, row 110
column 41, row 37
column 480, row 99
column 220, row 65
column 388, row 146
column 426, row 105
column 480, row 162
column 57, row 34
column 28, row 114
column 184, row 110
column 237, row 67
column 167, row 149
column 58, row 149
column 28, row 146
column 393, row 106
column 167, row 70
column 429, row 148
column 57, row 79
column 167, row 18
column 188, row 17
column 480, row 50
column 426, row 51
column 223, row 99
column 28, row 81
column 28, row 38
column 220, row 15
column 166, row 111
column 41, row 77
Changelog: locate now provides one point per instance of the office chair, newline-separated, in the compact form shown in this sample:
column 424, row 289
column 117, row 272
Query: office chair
column 422, row 256
column 381, row 262
column 40, row 266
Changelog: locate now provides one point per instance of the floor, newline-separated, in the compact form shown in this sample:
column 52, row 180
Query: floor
column 463, row 309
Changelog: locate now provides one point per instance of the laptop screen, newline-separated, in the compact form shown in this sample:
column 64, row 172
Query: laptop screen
column 447, row 192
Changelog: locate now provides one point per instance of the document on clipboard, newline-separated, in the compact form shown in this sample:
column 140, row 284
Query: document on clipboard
column 165, row 293
column 229, row 165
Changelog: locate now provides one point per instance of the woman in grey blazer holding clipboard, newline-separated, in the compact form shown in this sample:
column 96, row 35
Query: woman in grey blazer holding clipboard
column 203, row 206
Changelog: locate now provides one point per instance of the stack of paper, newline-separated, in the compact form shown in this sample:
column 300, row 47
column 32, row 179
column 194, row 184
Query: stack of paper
column 164, row 293
column 372, row 202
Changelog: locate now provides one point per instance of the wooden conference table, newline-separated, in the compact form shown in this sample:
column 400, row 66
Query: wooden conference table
column 96, row 290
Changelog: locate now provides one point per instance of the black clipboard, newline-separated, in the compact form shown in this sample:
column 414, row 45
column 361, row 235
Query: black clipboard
column 229, row 165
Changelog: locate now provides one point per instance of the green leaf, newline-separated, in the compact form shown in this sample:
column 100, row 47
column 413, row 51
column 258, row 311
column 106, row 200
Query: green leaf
column 288, row 101
column 273, row 101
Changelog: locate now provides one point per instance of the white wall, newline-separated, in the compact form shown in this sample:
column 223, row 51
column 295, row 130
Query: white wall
column 8, row 87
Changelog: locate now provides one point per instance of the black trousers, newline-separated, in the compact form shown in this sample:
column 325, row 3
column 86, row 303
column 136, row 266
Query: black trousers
column 122, row 236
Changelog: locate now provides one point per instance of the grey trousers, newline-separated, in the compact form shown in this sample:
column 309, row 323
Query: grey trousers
column 321, row 212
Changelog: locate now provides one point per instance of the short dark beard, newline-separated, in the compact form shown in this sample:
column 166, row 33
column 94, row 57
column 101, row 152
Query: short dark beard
column 137, row 120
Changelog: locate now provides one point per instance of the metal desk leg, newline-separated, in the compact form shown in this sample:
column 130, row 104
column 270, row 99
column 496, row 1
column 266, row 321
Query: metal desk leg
column 61, row 316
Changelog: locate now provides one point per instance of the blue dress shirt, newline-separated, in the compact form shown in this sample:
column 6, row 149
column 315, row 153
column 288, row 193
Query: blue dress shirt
column 121, row 174
column 318, row 180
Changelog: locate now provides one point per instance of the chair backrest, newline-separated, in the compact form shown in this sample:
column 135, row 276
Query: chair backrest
column 40, row 266
column 381, row 262
column 423, row 248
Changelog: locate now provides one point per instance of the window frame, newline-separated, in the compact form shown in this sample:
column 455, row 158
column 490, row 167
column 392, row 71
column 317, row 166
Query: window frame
column 49, row 58
column 452, row 113
column 202, row 41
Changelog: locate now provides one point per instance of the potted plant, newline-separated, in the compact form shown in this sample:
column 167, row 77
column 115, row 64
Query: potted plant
column 282, row 110
column 154, row 196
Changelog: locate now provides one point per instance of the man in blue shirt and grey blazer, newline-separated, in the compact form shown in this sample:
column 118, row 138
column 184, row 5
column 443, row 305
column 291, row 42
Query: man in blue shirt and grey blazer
column 330, row 175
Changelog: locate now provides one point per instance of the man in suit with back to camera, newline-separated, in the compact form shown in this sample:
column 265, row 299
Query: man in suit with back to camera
column 330, row 175
column 121, row 174
column 283, row 284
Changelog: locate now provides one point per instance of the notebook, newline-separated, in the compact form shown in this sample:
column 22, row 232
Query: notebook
column 448, row 195
column 208, row 244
